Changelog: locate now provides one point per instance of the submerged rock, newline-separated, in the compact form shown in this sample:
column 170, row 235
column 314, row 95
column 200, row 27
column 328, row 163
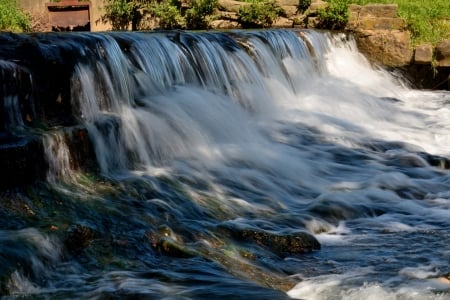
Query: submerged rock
column 281, row 243
column 79, row 238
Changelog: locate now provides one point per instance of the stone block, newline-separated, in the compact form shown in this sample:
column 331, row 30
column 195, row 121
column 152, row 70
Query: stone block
column 388, row 48
column 381, row 23
column 423, row 54
column 443, row 53
column 379, row 11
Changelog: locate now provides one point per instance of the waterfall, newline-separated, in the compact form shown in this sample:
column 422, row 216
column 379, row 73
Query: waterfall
column 256, row 164
column 131, row 127
column 58, row 157
column 15, row 94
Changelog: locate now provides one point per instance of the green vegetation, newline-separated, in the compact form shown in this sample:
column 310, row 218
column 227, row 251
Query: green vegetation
column 428, row 20
column 303, row 5
column 12, row 18
column 168, row 14
column 335, row 16
column 119, row 13
column 199, row 15
column 259, row 14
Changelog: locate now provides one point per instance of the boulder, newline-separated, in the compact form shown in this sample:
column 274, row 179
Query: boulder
column 423, row 54
column 443, row 53
column 387, row 47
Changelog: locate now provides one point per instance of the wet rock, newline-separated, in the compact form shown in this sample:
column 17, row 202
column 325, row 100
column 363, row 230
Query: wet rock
column 79, row 238
column 21, row 160
column 281, row 243
column 165, row 242
column 436, row 160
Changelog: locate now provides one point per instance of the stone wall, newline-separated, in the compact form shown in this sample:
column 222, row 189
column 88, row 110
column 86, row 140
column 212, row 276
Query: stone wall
column 384, row 39
column 381, row 34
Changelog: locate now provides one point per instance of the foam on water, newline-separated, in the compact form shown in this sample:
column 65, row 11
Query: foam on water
column 274, row 130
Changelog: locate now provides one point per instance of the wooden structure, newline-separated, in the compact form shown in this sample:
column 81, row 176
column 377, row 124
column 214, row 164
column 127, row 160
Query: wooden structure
column 69, row 15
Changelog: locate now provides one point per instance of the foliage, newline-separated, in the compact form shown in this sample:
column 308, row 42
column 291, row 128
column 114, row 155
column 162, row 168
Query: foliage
column 119, row 13
column 428, row 20
column 259, row 14
column 198, row 16
column 12, row 18
column 168, row 14
column 303, row 5
column 335, row 15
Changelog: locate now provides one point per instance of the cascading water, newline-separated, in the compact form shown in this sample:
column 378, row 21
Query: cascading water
column 224, row 159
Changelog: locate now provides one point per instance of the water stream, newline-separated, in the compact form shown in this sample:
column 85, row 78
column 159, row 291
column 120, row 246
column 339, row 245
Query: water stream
column 203, row 141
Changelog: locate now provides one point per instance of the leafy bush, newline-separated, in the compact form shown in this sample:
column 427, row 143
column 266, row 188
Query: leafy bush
column 168, row 14
column 12, row 18
column 199, row 15
column 335, row 15
column 259, row 14
column 119, row 13
column 303, row 5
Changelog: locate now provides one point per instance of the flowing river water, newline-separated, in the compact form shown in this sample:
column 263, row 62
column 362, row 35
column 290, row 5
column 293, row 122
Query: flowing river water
column 212, row 149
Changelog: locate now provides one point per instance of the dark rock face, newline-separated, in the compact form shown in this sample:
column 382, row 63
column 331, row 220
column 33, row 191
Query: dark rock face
column 21, row 160
column 35, row 96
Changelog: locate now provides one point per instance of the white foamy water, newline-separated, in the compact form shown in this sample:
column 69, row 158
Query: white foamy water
column 269, row 130
column 280, row 129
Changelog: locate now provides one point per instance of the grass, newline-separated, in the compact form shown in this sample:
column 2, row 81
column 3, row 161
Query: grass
column 12, row 18
column 428, row 20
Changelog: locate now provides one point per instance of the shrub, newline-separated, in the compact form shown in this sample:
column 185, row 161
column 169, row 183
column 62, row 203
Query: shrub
column 335, row 15
column 199, row 15
column 303, row 5
column 168, row 14
column 119, row 13
column 259, row 14
column 12, row 18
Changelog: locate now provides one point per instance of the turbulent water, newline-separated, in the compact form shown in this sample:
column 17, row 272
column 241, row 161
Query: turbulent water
column 274, row 131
